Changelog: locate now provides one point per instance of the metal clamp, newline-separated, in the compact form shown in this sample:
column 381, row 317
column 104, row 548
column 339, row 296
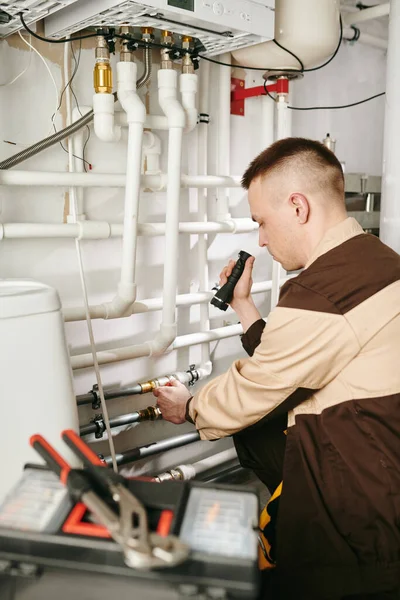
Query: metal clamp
column 194, row 375
column 96, row 402
column 99, row 422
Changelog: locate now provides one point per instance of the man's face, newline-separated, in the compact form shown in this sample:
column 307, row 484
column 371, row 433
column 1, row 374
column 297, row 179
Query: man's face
column 277, row 223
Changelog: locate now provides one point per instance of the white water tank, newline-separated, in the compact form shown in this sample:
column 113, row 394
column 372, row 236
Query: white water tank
column 36, row 388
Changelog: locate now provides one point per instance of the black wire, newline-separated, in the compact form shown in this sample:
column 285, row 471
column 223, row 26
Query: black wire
column 334, row 54
column 69, row 84
column 291, row 53
column 336, row 107
column 53, row 41
column 324, row 107
column 223, row 64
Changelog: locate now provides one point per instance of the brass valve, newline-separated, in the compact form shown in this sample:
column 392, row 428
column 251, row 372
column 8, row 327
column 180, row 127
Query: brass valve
column 102, row 74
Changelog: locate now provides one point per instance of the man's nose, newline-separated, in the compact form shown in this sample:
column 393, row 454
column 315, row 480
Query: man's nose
column 262, row 240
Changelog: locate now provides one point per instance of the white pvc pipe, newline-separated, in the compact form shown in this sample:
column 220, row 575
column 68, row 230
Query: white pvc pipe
column 202, row 204
column 267, row 122
column 283, row 130
column 365, row 38
column 101, row 230
column 104, row 124
column 171, row 107
column 82, row 361
column 151, row 153
column 109, row 180
column 390, row 207
column 136, row 114
column 188, row 88
column 367, row 14
column 224, row 136
column 154, row 304
column 78, row 156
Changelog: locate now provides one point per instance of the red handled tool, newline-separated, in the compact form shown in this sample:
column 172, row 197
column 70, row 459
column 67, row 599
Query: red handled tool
column 127, row 519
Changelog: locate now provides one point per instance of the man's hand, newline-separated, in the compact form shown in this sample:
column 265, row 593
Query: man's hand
column 242, row 302
column 172, row 400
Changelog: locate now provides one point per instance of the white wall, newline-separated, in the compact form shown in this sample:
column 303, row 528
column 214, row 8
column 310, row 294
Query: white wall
column 25, row 110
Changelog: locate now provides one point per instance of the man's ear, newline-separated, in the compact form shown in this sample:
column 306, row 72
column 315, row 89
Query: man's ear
column 300, row 204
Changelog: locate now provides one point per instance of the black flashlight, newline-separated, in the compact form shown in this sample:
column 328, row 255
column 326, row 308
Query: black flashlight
column 225, row 294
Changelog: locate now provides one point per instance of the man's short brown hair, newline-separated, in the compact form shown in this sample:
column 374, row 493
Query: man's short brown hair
column 308, row 154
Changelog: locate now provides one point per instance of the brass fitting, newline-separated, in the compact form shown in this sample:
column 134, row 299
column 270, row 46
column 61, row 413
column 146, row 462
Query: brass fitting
column 125, row 55
column 102, row 74
column 147, row 34
column 187, row 64
column 148, row 386
column 167, row 39
column 151, row 413
column 186, row 42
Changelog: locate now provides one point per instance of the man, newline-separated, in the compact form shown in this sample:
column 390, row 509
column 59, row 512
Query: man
column 317, row 404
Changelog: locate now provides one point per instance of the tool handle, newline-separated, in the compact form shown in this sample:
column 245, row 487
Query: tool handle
column 238, row 269
column 54, row 461
column 80, row 449
column 225, row 294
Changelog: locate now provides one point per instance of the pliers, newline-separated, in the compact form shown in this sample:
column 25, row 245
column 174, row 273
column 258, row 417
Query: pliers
column 127, row 519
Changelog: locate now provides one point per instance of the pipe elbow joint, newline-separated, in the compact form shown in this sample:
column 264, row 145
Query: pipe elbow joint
column 121, row 304
column 127, row 92
column 164, row 338
column 103, row 120
column 167, row 92
column 188, row 87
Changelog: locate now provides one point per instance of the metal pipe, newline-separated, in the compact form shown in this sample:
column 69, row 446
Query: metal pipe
column 187, row 472
column 91, row 397
column 155, row 448
column 98, row 426
column 115, row 422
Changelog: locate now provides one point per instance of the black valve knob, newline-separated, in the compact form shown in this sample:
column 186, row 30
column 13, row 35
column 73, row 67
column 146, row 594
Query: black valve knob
column 225, row 294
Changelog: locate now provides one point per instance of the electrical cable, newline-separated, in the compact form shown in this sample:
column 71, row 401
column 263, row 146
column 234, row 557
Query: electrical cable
column 325, row 107
column 334, row 54
column 337, row 107
column 73, row 206
column 22, row 72
column 54, row 41
column 49, row 72
column 69, row 85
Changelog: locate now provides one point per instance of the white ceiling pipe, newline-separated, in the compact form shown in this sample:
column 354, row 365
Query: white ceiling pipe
column 365, row 38
column 308, row 28
column 101, row 230
column 109, row 180
column 367, row 14
column 390, row 208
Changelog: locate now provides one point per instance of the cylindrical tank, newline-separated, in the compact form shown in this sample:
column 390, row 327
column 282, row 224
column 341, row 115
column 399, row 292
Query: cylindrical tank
column 308, row 28
column 36, row 388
